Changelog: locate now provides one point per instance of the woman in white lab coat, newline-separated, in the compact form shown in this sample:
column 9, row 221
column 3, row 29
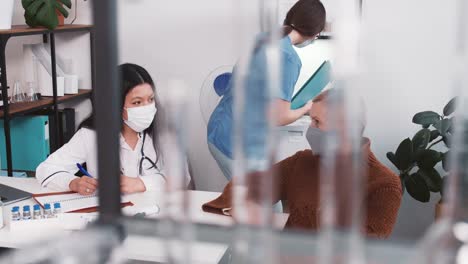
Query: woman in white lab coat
column 140, row 155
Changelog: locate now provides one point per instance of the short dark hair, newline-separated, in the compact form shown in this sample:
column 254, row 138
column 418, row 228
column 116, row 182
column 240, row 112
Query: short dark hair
column 308, row 17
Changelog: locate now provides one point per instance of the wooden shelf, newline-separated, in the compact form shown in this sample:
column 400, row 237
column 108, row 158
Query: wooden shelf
column 24, row 30
column 46, row 101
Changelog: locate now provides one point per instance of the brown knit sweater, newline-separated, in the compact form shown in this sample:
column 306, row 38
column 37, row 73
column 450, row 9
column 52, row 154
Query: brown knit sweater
column 296, row 180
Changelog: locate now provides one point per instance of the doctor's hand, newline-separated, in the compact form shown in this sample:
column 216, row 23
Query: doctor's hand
column 84, row 185
column 129, row 185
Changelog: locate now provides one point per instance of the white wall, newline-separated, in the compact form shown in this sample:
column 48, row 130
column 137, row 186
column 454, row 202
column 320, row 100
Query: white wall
column 70, row 45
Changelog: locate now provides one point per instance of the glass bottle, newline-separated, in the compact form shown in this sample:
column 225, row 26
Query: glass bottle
column 15, row 214
column 18, row 95
column 31, row 94
column 26, row 212
column 37, row 212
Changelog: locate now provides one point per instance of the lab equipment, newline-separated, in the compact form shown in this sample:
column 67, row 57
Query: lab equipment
column 48, row 211
column 26, row 212
column 32, row 94
column 57, row 208
column 72, row 202
column 15, row 213
column 18, row 94
column 37, row 214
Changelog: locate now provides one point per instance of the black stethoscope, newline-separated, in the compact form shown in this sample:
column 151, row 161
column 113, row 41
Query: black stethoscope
column 143, row 158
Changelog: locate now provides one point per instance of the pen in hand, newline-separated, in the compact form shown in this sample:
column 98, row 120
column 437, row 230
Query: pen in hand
column 83, row 170
column 86, row 185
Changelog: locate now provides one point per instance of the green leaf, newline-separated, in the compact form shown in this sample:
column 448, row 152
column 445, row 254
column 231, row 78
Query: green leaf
column 450, row 107
column 428, row 158
column 67, row 3
column 434, row 134
column 391, row 157
column 403, row 155
column 443, row 126
column 445, row 161
column 62, row 10
column 417, row 188
column 44, row 12
column 421, row 139
column 426, row 118
column 432, row 178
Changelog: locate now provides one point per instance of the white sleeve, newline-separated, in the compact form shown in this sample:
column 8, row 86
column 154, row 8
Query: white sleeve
column 59, row 169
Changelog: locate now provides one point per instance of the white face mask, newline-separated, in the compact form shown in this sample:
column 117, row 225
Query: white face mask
column 305, row 43
column 140, row 118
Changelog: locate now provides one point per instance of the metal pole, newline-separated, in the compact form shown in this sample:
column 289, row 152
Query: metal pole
column 6, row 108
column 54, row 89
column 107, row 112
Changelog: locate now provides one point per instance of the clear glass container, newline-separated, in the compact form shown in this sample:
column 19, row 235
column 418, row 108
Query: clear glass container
column 18, row 93
column 31, row 94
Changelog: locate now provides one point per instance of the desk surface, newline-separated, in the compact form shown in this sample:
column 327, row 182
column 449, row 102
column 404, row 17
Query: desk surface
column 136, row 247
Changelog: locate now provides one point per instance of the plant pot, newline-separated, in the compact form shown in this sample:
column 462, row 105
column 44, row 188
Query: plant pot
column 6, row 13
column 439, row 209
column 61, row 18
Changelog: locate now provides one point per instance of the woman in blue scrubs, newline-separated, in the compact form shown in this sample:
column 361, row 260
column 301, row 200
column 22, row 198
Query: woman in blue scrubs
column 304, row 21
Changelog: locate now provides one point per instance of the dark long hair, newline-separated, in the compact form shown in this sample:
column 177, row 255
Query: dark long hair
column 306, row 17
column 132, row 75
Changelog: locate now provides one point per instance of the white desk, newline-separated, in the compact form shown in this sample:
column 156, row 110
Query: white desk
column 135, row 247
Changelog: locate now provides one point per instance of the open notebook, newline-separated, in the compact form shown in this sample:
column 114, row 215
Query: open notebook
column 73, row 202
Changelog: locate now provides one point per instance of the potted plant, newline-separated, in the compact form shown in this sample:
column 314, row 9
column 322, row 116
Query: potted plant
column 416, row 159
column 6, row 14
column 45, row 12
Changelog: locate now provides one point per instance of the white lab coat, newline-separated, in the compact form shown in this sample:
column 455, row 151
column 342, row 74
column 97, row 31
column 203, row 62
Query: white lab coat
column 60, row 167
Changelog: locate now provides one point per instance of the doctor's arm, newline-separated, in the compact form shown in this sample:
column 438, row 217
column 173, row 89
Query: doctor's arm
column 284, row 115
column 58, row 171
column 155, row 180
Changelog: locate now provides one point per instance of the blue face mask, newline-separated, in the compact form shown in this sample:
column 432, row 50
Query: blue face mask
column 305, row 43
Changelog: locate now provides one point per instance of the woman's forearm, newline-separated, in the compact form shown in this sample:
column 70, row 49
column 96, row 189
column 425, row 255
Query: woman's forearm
column 284, row 115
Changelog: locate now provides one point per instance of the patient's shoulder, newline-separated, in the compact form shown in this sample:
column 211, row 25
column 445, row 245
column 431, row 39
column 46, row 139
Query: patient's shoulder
column 380, row 176
column 306, row 154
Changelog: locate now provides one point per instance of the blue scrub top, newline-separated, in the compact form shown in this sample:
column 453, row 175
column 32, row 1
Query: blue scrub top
column 220, row 126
